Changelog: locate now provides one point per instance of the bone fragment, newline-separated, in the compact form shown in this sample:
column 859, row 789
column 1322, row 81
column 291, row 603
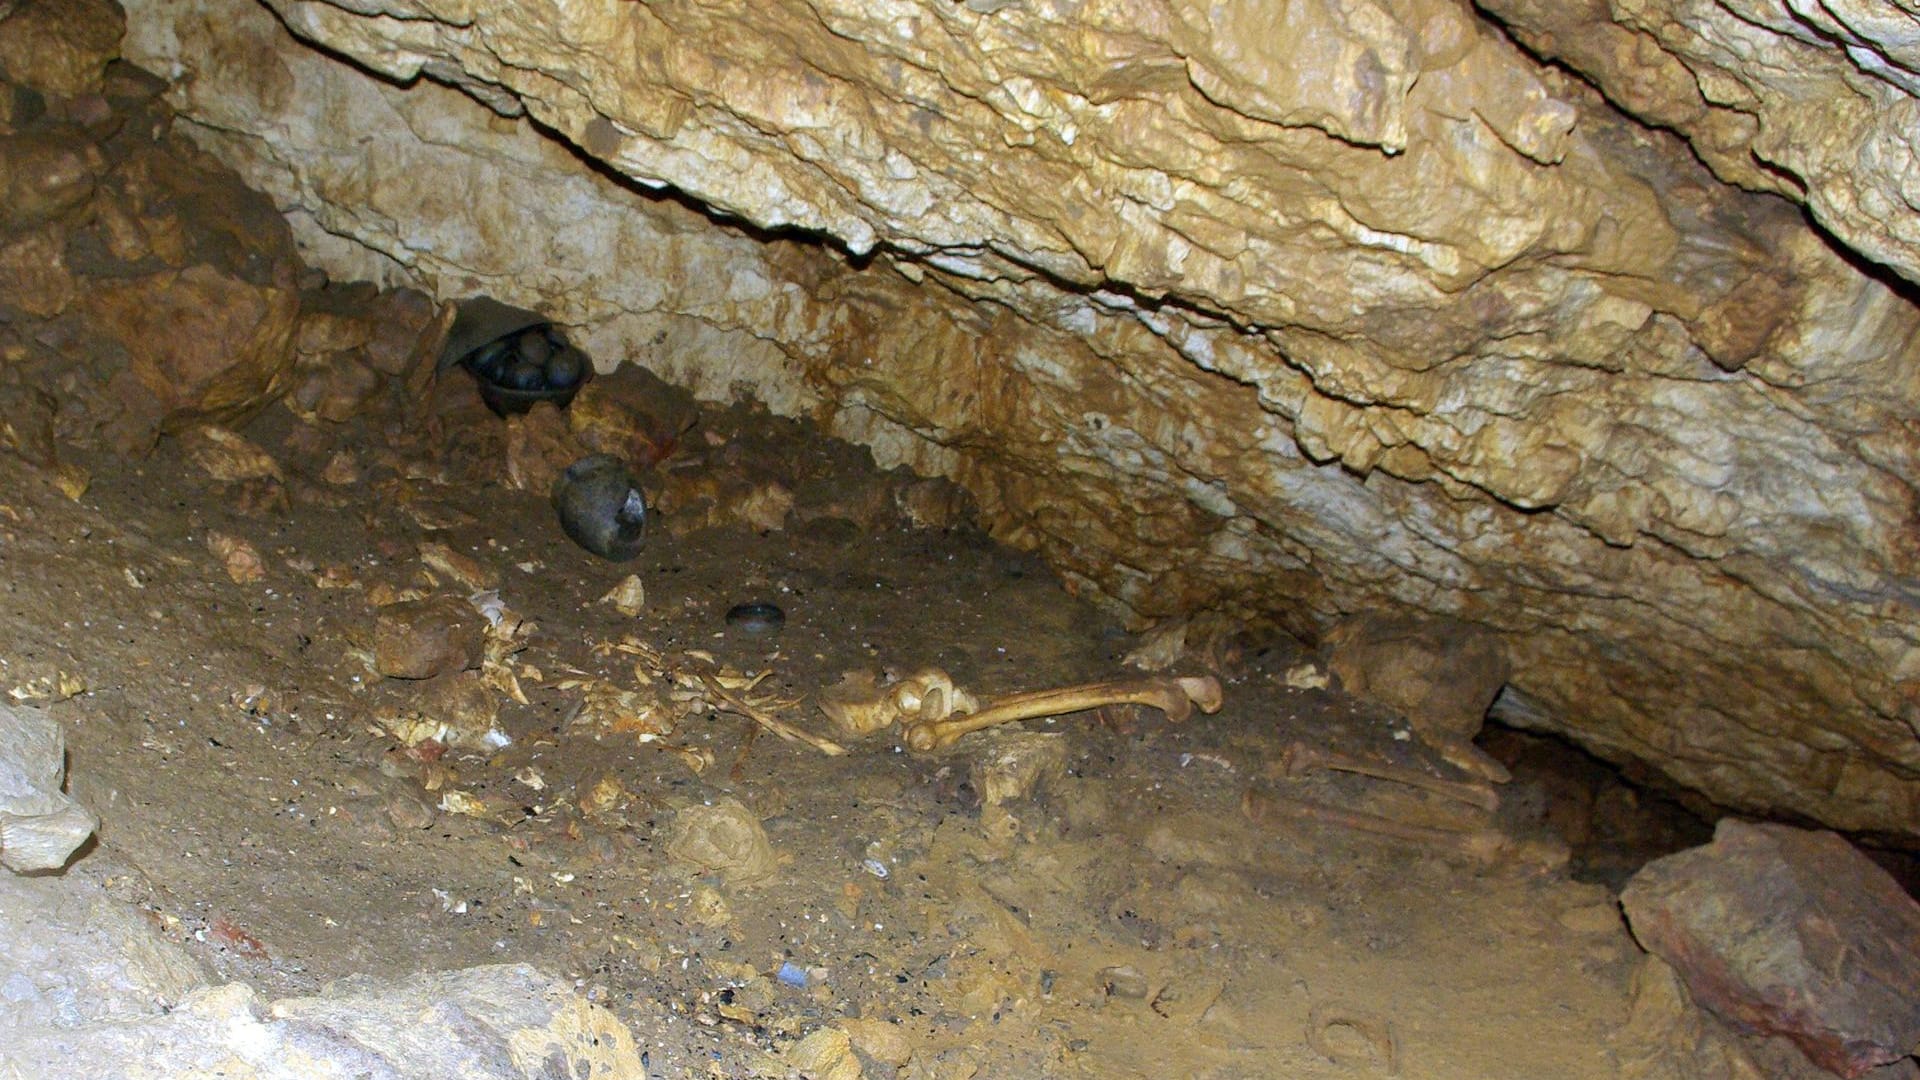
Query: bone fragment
column 1301, row 759
column 734, row 703
column 1174, row 696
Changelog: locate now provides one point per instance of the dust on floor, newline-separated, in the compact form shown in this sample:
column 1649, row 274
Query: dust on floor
column 1123, row 919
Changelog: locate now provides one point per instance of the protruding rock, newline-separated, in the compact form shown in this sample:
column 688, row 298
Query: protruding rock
column 1441, row 674
column 1790, row 932
column 40, row 825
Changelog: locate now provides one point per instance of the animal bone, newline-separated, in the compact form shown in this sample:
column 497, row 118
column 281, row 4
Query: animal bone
column 1301, row 759
column 1174, row 696
column 1481, row 845
column 734, row 703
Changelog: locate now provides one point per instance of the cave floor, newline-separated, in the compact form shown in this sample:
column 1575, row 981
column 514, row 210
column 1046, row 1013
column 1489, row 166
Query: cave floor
column 1123, row 919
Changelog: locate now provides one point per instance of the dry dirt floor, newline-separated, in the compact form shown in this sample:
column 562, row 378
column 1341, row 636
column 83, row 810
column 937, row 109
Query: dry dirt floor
column 1120, row 917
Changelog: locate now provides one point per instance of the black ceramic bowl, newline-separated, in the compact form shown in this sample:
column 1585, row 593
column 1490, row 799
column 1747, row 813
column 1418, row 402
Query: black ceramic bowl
column 505, row 402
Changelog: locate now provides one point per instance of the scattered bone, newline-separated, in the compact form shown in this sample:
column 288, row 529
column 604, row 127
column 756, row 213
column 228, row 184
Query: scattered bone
column 1301, row 759
column 469, row 572
column 629, row 597
column 734, row 703
column 240, row 559
column 1016, row 765
column 1481, row 845
column 228, row 457
column 860, row 705
column 1176, row 697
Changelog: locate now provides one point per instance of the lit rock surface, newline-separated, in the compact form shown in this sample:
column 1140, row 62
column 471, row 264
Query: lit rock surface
column 1818, row 100
column 1429, row 326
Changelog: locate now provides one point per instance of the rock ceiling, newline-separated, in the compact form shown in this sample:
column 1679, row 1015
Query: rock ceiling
column 1283, row 308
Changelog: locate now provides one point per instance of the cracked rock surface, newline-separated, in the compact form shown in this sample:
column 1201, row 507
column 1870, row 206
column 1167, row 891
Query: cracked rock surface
column 1372, row 311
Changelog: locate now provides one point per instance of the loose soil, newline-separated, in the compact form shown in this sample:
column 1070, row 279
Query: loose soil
column 1122, row 919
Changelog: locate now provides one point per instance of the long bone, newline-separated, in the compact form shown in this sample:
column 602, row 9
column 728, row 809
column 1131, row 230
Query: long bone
column 1174, row 696
column 1301, row 759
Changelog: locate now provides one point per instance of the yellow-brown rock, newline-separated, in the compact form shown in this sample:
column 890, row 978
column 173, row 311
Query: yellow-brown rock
column 59, row 46
column 1287, row 310
column 1819, row 102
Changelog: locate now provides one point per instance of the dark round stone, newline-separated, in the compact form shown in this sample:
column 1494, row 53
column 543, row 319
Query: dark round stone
column 566, row 368
column 490, row 361
column 758, row 617
column 534, row 346
column 523, row 374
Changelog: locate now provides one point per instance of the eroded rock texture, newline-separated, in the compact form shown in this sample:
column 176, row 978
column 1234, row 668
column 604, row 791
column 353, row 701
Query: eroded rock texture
column 1818, row 100
column 1284, row 309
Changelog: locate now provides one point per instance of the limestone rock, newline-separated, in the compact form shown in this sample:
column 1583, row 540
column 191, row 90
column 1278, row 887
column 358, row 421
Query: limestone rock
column 1789, row 932
column 70, row 955
column 40, row 825
column 1819, row 102
column 149, row 288
column 506, row 1022
column 1436, row 328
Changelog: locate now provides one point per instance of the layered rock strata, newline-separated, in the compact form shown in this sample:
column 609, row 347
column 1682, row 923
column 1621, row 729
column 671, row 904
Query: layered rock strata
column 1288, row 310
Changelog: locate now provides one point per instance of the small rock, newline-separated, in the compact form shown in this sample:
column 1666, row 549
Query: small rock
column 40, row 825
column 1592, row 919
column 885, row 1043
column 1124, row 981
column 408, row 813
column 228, row 456
column 1017, row 763
column 1790, row 932
column 723, row 838
column 419, row 639
column 827, row 1054
column 342, row 470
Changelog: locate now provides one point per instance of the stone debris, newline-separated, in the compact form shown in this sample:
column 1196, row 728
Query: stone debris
column 420, row 639
column 506, row 1022
column 1790, row 932
column 40, row 825
column 723, row 838
column 1441, row 674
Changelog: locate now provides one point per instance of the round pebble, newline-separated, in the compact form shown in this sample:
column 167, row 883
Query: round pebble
column 490, row 361
column 565, row 368
column 756, row 618
column 534, row 346
column 524, row 375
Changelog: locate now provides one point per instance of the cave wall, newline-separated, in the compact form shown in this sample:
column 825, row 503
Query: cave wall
column 1376, row 309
